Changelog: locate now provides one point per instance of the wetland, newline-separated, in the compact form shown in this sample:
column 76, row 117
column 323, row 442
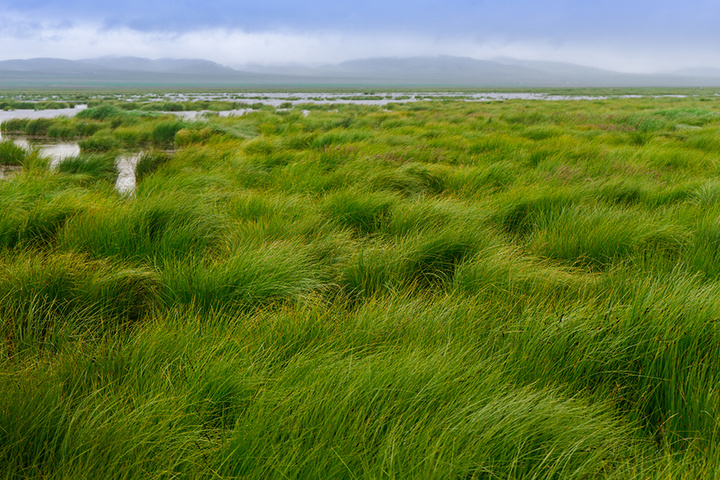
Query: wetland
column 438, row 286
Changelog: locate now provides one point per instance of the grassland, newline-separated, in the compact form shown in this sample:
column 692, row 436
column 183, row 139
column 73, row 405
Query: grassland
column 506, row 290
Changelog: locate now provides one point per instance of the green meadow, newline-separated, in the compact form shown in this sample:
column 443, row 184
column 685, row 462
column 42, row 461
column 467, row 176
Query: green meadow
column 430, row 290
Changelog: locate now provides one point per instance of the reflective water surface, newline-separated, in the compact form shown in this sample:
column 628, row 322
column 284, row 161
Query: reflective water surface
column 126, row 165
column 55, row 151
column 59, row 151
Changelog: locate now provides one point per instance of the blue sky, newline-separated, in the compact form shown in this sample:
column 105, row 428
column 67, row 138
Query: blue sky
column 630, row 35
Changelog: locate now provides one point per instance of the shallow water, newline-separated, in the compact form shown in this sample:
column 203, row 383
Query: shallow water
column 55, row 151
column 126, row 165
column 282, row 99
column 276, row 99
column 194, row 115
column 33, row 114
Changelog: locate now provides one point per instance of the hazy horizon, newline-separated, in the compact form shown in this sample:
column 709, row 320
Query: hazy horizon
column 642, row 37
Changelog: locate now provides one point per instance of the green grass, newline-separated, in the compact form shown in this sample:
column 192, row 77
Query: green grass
column 148, row 162
column 98, row 166
column 11, row 154
column 99, row 142
column 46, row 293
column 440, row 289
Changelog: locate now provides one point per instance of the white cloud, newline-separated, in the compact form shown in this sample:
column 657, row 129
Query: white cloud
column 27, row 39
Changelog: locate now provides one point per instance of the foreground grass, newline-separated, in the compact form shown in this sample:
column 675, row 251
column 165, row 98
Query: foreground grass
column 434, row 290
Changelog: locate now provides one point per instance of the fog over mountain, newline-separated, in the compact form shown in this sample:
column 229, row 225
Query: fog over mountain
column 698, row 72
column 436, row 71
column 166, row 65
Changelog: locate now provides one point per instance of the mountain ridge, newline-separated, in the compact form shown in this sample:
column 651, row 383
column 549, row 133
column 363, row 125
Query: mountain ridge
column 420, row 71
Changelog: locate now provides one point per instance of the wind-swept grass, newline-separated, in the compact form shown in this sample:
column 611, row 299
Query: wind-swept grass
column 11, row 154
column 172, row 226
column 163, row 134
column 440, row 289
column 148, row 162
column 101, row 141
column 44, row 296
column 248, row 278
column 91, row 166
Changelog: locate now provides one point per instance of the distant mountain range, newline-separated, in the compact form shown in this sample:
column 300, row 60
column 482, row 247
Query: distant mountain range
column 126, row 71
column 440, row 71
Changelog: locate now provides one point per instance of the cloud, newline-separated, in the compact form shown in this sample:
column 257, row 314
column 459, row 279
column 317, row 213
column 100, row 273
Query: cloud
column 485, row 19
column 227, row 46
column 23, row 37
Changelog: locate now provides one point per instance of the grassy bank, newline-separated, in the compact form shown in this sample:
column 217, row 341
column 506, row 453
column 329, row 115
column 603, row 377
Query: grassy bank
column 438, row 289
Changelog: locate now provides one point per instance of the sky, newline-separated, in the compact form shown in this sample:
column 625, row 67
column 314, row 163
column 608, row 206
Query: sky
column 624, row 35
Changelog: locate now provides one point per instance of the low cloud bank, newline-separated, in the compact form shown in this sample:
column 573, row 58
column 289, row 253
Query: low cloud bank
column 24, row 38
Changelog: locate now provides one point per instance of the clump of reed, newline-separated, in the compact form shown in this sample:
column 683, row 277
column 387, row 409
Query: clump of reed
column 45, row 296
column 95, row 167
column 11, row 154
column 149, row 162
